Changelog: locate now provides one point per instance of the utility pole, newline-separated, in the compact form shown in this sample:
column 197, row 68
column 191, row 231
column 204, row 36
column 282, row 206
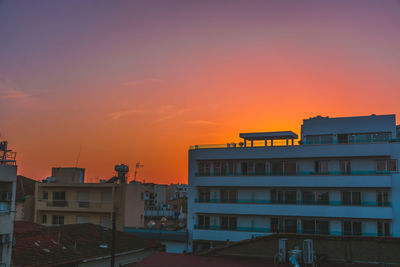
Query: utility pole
column 113, row 240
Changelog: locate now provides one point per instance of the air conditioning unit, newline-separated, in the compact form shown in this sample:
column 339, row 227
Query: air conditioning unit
column 282, row 250
column 5, row 239
column 308, row 251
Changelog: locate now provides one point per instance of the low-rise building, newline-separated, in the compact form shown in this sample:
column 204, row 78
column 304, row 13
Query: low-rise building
column 25, row 199
column 8, row 179
column 61, row 201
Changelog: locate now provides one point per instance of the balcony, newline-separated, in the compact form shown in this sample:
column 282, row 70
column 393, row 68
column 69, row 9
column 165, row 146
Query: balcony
column 74, row 205
column 296, row 210
column 297, row 202
column 268, row 231
column 306, row 173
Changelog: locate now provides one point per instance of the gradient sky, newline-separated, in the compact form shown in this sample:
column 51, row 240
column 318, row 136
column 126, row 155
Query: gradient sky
column 129, row 81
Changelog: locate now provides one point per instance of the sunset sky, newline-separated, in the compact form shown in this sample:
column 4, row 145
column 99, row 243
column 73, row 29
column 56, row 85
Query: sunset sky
column 130, row 81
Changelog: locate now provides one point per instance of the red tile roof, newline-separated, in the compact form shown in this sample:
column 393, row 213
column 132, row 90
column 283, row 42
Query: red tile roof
column 38, row 245
column 25, row 187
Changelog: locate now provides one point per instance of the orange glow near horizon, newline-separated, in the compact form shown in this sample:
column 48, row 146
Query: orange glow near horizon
column 140, row 82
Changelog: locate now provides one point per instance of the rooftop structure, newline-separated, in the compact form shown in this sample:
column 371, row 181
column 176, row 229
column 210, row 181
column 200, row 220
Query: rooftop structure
column 340, row 179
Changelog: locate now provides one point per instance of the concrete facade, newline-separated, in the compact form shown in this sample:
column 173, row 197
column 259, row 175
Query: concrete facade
column 342, row 179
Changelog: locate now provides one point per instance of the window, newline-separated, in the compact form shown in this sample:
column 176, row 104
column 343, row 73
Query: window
column 351, row 198
column 204, row 195
column 319, row 139
column 289, row 167
column 351, row 228
column 309, row 226
column 290, row 197
column 383, row 228
column 231, row 167
column 58, row 219
column 204, row 222
column 323, row 227
column 204, row 168
column 276, row 196
column 382, row 198
column 274, row 225
column 290, row 226
column 308, row 197
column 82, row 219
column 228, row 195
column 45, row 195
column 217, row 168
column 343, row 138
column 44, row 219
column 228, row 223
column 277, row 167
column 84, row 199
column 322, row 198
column 247, row 167
column 106, row 197
column 386, row 165
column 321, row 167
column 260, row 167
column 345, row 167
column 59, row 199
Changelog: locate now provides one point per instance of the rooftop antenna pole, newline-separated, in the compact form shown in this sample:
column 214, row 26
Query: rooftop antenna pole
column 138, row 165
column 79, row 155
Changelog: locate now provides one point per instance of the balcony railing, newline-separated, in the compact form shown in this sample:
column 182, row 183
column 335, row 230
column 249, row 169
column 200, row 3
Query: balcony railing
column 74, row 204
column 283, row 143
column 304, row 173
column 298, row 231
column 297, row 202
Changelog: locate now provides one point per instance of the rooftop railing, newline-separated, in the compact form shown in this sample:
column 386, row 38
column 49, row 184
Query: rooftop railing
column 304, row 173
column 280, row 143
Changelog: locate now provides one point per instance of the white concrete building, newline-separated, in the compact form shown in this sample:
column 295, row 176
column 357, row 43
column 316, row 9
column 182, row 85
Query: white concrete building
column 341, row 178
column 8, row 178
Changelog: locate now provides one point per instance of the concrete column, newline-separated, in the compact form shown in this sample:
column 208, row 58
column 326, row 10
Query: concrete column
column 251, row 142
column 272, row 142
column 245, row 140
column 266, row 142
column 287, row 141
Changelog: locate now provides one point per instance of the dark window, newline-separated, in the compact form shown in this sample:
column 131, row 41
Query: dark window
column 44, row 219
column 217, row 168
column 276, row 196
column 308, row 197
column 290, row 226
column 260, row 167
column 204, row 168
column 59, row 199
column 323, row 227
column 277, row 167
column 290, row 197
column 274, row 225
column 346, row 198
column 356, row 198
column 231, row 167
column 321, row 167
column 345, row 167
column 343, row 138
column 386, row 165
column 356, row 228
column 322, row 198
column 351, row 228
column 228, row 223
column 204, row 222
column 228, row 195
column 383, row 198
column 244, row 167
column 45, row 195
column 309, row 226
column 204, row 195
column 58, row 219
column 290, row 167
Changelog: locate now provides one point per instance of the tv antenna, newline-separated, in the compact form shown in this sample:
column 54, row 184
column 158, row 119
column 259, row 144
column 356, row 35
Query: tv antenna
column 138, row 165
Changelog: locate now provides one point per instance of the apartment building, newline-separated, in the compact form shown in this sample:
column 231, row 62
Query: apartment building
column 8, row 178
column 64, row 198
column 340, row 178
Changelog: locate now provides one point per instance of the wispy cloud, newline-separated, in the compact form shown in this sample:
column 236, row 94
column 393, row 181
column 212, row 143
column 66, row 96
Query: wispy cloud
column 143, row 82
column 164, row 112
column 9, row 92
column 200, row 122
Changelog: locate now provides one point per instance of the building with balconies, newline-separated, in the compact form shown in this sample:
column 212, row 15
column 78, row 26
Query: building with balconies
column 8, row 178
column 60, row 200
column 341, row 178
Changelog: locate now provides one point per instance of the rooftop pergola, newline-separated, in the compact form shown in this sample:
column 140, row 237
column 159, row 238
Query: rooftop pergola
column 284, row 135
